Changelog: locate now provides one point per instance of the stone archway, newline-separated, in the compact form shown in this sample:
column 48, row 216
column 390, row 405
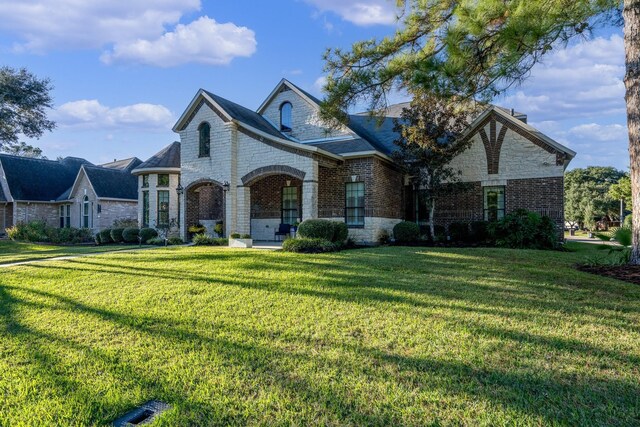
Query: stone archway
column 204, row 204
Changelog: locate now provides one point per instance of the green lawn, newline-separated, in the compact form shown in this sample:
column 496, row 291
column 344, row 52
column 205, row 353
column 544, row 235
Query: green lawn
column 387, row 336
column 11, row 251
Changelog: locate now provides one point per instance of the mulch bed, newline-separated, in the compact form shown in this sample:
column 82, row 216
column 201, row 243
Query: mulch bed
column 627, row 273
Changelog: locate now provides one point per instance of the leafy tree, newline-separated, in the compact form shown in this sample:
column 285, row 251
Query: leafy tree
column 24, row 99
column 431, row 131
column 480, row 49
column 24, row 150
column 622, row 191
column 590, row 187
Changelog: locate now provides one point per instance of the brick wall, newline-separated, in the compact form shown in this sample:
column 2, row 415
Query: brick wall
column 26, row 212
column 204, row 203
column 266, row 196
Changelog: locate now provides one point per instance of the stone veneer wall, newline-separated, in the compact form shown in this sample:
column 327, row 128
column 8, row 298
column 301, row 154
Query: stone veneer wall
column 6, row 216
column 153, row 189
column 111, row 210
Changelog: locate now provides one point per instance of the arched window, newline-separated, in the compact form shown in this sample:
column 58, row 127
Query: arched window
column 85, row 212
column 204, row 131
column 285, row 117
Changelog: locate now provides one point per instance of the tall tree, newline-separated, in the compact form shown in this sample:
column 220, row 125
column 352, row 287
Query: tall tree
column 431, row 135
column 480, row 48
column 622, row 191
column 24, row 150
column 590, row 188
column 24, row 101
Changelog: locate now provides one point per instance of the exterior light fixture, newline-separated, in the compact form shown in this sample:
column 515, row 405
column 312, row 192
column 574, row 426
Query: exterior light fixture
column 179, row 189
column 226, row 186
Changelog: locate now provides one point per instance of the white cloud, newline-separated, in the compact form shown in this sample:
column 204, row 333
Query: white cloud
column 360, row 12
column 581, row 81
column 602, row 133
column 318, row 85
column 202, row 41
column 46, row 24
column 91, row 114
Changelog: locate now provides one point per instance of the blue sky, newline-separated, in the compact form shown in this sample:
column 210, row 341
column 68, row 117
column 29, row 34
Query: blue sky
column 124, row 71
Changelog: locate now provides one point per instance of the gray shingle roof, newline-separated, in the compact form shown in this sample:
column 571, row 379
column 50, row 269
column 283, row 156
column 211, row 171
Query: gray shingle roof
column 168, row 157
column 113, row 183
column 246, row 116
column 345, row 146
column 39, row 179
column 124, row 164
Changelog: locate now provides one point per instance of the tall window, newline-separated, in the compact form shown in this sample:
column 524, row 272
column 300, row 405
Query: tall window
column 285, row 117
column 85, row 212
column 289, row 205
column 493, row 203
column 61, row 216
column 354, row 204
column 145, row 208
column 163, row 207
column 145, row 181
column 67, row 218
column 163, row 180
column 204, row 132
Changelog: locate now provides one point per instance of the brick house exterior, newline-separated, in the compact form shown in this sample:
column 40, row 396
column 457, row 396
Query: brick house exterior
column 254, row 170
column 69, row 192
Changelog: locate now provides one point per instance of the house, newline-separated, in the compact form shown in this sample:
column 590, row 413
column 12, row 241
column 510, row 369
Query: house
column 253, row 170
column 69, row 192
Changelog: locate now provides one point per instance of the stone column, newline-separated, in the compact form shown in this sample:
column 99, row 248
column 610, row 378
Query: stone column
column 243, row 221
column 310, row 193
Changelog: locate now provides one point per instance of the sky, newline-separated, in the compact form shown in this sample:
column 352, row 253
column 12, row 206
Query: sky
column 123, row 72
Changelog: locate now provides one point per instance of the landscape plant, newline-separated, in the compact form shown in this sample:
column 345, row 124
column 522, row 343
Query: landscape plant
column 105, row 236
column 147, row 233
column 116, row 235
column 406, row 232
column 522, row 229
column 308, row 245
column 131, row 234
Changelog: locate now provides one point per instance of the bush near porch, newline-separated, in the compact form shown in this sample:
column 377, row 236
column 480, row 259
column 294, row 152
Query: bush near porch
column 41, row 232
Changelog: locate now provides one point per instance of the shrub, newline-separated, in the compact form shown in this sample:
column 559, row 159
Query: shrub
column 157, row 241
column 218, row 229
column 235, row 235
column 34, row 231
column 97, row 238
column 406, row 231
column 382, row 236
column 125, row 223
column 308, row 245
column 524, row 230
column 116, row 235
column 459, row 231
column 175, row 240
column 245, row 236
column 317, row 229
column 441, row 232
column 105, row 236
column 203, row 239
column 340, row 232
column 628, row 222
column 130, row 235
column 69, row 235
column 479, row 231
column 197, row 229
column 147, row 233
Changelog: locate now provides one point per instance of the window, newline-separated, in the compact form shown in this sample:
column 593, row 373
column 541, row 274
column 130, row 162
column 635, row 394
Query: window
column 145, row 181
column 67, row 218
column 145, row 208
column 163, row 180
column 204, row 132
column 285, row 117
column 61, row 216
column 163, row 207
column 85, row 212
column 354, row 203
column 289, row 205
column 493, row 203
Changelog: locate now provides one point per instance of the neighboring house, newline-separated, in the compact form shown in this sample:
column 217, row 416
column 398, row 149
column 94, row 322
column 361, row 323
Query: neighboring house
column 254, row 170
column 69, row 192
column 158, row 180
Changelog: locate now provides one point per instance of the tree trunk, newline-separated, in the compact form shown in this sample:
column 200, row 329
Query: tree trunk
column 432, row 227
column 631, row 15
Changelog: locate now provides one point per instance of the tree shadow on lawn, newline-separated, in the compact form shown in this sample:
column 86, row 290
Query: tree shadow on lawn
column 549, row 397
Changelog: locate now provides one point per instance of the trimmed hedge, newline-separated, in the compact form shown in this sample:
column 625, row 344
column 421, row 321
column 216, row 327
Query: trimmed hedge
column 406, row 232
column 105, row 236
column 316, row 229
column 340, row 232
column 479, row 231
column 175, row 240
column 147, row 233
column 157, row 241
column 116, row 235
column 308, row 245
column 130, row 235
column 39, row 231
column 203, row 239
column 459, row 231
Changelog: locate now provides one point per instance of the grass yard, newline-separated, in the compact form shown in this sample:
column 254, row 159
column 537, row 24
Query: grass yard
column 386, row 336
column 11, row 251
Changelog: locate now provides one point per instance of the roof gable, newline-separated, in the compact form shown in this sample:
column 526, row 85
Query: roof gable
column 32, row 179
column 312, row 100
column 112, row 183
column 168, row 157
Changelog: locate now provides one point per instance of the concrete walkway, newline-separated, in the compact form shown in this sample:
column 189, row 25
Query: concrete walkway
column 594, row 241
